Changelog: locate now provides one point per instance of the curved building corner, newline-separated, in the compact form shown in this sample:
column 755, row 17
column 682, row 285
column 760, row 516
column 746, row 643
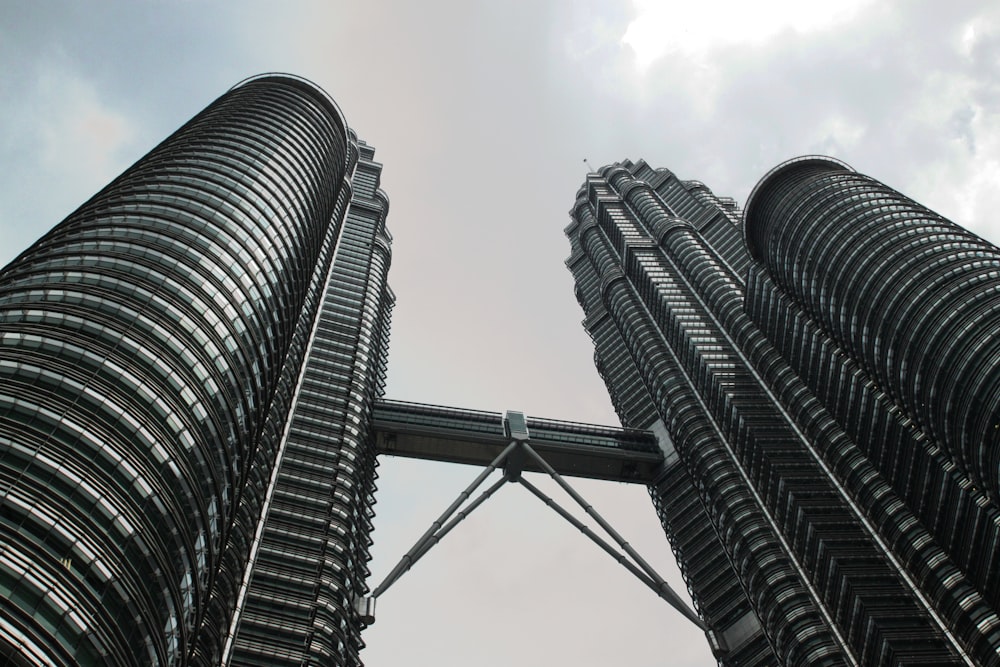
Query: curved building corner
column 152, row 354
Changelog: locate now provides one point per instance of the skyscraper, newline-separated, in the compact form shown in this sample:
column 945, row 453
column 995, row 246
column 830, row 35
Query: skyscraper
column 823, row 382
column 190, row 368
column 195, row 349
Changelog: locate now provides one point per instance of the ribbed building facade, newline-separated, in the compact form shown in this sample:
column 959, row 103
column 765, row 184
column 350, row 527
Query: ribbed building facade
column 190, row 365
column 822, row 376
column 190, row 353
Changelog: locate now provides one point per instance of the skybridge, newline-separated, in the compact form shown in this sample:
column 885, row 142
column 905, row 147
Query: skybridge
column 514, row 444
column 475, row 437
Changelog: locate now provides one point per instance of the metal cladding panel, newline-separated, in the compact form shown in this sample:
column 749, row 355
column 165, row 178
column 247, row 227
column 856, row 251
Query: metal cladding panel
column 911, row 297
column 960, row 517
column 311, row 563
column 712, row 581
column 145, row 343
column 793, row 501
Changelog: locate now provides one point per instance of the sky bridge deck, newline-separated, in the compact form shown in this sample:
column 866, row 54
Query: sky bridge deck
column 476, row 437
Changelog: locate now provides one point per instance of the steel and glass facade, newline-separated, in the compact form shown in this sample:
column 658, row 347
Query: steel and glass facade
column 165, row 355
column 825, row 395
column 309, row 560
column 191, row 367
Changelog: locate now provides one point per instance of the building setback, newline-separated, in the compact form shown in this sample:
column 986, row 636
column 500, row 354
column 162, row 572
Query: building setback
column 196, row 348
column 824, row 384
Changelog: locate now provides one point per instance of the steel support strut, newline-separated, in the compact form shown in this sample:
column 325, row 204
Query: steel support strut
column 630, row 559
column 431, row 536
column 661, row 587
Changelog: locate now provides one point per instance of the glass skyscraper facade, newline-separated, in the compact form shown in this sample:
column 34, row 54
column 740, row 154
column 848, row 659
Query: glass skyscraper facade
column 191, row 367
column 822, row 375
column 156, row 402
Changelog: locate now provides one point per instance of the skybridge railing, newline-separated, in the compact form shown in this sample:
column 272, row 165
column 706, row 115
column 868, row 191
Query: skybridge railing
column 477, row 437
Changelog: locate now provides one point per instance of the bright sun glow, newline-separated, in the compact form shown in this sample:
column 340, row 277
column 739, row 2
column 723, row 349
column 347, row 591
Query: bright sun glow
column 693, row 28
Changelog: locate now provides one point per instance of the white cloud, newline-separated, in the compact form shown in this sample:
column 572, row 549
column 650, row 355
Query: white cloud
column 78, row 133
column 692, row 29
column 837, row 135
column 964, row 186
column 67, row 142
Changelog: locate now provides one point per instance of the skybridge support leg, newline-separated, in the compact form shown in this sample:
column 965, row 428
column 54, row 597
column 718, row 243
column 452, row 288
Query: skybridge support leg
column 428, row 539
column 661, row 587
column 459, row 516
column 514, row 454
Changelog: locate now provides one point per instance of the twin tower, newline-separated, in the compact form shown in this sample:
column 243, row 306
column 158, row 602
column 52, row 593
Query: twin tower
column 192, row 368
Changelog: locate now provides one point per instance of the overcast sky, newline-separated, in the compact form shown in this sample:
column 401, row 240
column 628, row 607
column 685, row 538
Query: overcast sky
column 482, row 113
